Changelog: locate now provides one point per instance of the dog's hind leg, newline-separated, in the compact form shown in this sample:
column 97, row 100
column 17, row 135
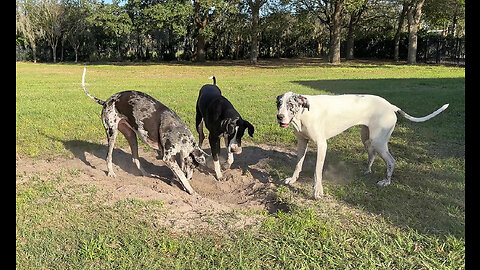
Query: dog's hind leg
column 199, row 126
column 372, row 154
column 302, row 144
column 381, row 147
column 111, row 135
column 390, row 162
column 132, row 141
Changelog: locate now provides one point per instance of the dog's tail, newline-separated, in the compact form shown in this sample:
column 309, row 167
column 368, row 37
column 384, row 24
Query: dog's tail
column 425, row 118
column 101, row 102
column 214, row 80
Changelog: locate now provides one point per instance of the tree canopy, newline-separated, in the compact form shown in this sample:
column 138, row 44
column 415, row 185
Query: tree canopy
column 199, row 30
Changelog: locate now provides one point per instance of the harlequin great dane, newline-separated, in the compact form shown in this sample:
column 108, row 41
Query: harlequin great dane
column 135, row 114
column 321, row 117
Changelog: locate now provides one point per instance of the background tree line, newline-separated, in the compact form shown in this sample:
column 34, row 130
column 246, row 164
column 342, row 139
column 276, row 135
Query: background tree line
column 197, row 30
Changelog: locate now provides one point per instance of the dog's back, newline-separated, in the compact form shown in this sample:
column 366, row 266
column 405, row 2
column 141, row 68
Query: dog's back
column 208, row 93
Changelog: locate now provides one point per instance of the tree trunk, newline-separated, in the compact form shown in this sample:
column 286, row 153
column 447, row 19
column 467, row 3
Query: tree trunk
column 61, row 51
column 255, row 7
column 396, row 40
column 350, row 40
column 336, row 30
column 414, row 15
column 34, row 51
column 238, row 41
column 200, row 22
column 54, row 50
column 201, row 47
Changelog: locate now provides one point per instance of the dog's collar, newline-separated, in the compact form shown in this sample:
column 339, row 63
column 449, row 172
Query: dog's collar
column 295, row 123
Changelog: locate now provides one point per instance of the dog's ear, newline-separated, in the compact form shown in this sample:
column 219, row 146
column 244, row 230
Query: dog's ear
column 279, row 98
column 250, row 127
column 304, row 102
column 199, row 156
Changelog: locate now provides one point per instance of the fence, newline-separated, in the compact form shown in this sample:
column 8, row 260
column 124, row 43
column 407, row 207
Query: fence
column 441, row 50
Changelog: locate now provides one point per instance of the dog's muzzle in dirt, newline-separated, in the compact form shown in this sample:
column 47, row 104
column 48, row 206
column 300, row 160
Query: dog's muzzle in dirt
column 234, row 148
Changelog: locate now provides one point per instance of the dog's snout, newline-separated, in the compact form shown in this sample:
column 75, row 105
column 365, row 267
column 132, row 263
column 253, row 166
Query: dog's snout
column 236, row 149
column 280, row 117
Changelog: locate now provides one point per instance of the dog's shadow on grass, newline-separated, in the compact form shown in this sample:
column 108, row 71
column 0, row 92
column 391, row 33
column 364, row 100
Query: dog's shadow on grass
column 253, row 157
column 253, row 160
column 80, row 148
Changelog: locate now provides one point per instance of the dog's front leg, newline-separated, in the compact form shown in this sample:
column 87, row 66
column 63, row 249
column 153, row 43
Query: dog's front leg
column 229, row 155
column 302, row 144
column 215, row 147
column 321, row 152
column 172, row 164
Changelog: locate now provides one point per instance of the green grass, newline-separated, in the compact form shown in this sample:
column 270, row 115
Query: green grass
column 418, row 222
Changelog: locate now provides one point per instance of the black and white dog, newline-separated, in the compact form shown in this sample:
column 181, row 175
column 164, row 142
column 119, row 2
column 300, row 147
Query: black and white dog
column 221, row 120
column 136, row 113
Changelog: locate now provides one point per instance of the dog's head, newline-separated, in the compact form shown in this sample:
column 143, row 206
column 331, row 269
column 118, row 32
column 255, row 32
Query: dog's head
column 193, row 159
column 234, row 129
column 290, row 105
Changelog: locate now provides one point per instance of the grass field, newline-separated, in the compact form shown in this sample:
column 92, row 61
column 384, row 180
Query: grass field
column 418, row 222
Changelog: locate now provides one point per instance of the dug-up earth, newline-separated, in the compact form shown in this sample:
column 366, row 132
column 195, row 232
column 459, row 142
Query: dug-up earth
column 246, row 193
column 247, row 190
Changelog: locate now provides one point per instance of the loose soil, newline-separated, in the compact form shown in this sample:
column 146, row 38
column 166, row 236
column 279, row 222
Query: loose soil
column 246, row 191
column 240, row 199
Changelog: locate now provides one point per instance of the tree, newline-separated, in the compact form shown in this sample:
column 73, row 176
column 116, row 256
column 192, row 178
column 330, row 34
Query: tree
column 76, row 26
column 202, row 10
column 170, row 21
column 396, row 39
column 329, row 12
column 113, row 23
column 448, row 15
column 355, row 8
column 414, row 15
column 51, row 20
column 255, row 6
column 27, row 16
column 336, row 31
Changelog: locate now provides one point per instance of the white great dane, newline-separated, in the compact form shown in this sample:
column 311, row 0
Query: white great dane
column 321, row 117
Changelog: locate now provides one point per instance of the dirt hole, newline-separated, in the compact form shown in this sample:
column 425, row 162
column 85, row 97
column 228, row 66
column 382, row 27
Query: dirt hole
column 247, row 191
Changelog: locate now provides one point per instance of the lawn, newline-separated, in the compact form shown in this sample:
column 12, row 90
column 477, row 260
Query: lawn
column 417, row 222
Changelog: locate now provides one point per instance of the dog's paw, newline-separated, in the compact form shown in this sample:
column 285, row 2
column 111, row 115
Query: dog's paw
column 366, row 172
column 317, row 192
column 111, row 174
column 317, row 196
column 290, row 180
column 189, row 191
column 225, row 177
column 226, row 166
column 383, row 183
column 219, row 176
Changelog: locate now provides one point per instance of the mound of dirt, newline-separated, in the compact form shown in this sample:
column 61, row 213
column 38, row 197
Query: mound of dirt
column 247, row 186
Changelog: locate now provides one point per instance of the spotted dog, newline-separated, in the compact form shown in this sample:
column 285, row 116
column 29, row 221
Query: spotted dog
column 135, row 114
column 321, row 117
column 221, row 120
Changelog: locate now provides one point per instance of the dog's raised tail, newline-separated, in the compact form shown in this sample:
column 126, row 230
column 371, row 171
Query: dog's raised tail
column 214, row 80
column 101, row 102
column 425, row 118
